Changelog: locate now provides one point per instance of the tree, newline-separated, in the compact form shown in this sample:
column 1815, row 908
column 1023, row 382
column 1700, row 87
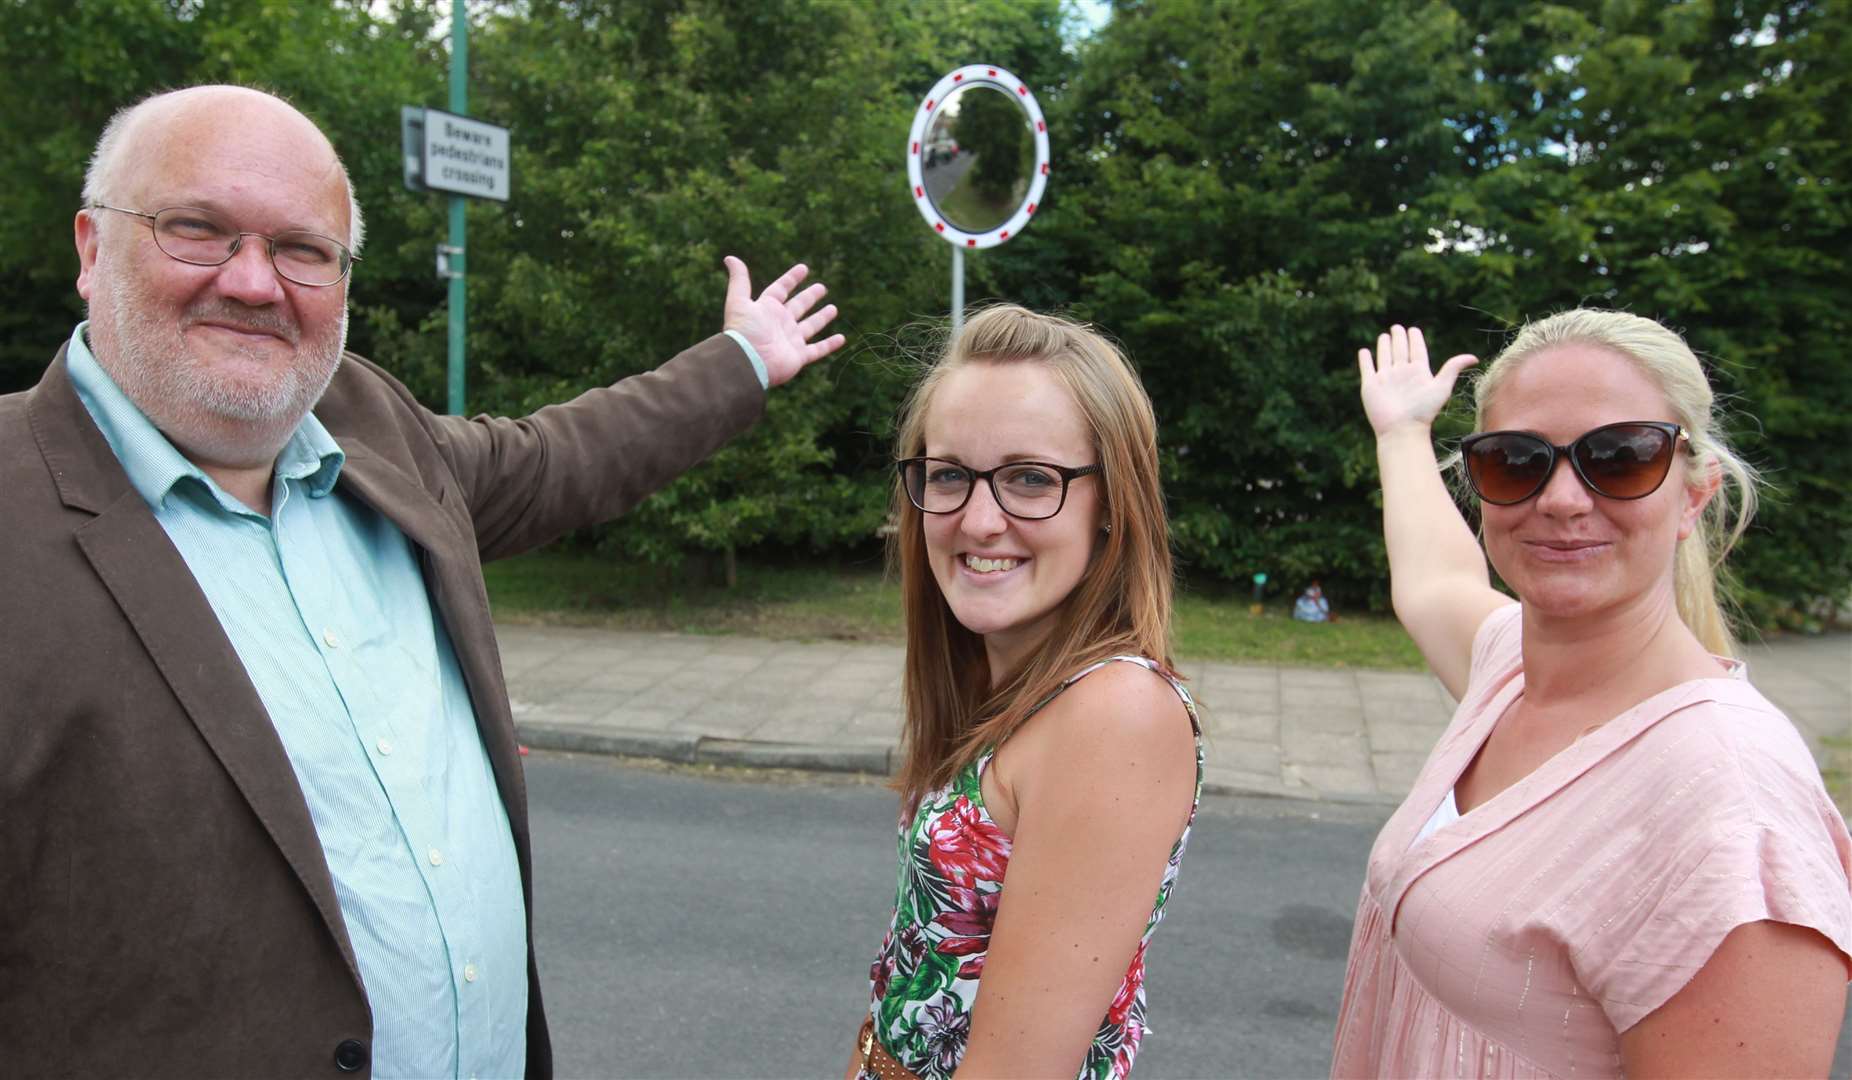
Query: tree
column 1243, row 191
column 1247, row 191
column 72, row 66
column 652, row 138
column 1229, row 192
column 1680, row 161
column 992, row 127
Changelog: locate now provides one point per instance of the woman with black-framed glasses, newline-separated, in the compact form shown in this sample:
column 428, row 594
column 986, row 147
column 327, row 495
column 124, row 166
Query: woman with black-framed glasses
column 1046, row 735
column 1620, row 857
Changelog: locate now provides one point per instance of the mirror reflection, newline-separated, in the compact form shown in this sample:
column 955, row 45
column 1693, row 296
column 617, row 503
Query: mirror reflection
column 978, row 156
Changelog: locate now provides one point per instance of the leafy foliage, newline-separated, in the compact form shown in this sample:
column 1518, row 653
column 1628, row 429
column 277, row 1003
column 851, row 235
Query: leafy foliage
column 1243, row 192
column 71, row 66
column 1247, row 191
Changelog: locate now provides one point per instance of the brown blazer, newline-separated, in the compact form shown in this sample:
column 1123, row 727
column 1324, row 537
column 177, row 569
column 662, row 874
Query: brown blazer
column 164, row 905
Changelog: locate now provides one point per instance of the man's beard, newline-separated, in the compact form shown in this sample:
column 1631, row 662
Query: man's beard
column 155, row 368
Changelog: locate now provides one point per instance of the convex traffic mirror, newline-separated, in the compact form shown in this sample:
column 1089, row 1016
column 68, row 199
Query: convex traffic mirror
column 977, row 156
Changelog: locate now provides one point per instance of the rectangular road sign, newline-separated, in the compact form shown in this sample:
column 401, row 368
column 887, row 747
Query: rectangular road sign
column 465, row 156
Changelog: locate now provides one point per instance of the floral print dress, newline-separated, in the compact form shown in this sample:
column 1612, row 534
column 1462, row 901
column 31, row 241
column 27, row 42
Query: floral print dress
column 952, row 863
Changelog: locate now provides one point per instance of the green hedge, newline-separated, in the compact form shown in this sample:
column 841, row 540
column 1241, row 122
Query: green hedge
column 1243, row 192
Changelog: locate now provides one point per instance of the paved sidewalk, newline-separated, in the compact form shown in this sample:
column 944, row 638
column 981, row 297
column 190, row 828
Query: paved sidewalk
column 1353, row 736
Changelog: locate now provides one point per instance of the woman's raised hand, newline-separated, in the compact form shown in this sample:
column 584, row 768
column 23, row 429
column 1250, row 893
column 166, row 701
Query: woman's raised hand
column 1437, row 573
column 1398, row 389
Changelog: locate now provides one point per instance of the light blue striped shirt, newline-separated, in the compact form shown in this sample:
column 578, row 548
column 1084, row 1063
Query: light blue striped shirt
column 325, row 604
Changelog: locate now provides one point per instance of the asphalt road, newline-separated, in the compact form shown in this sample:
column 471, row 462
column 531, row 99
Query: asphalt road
column 943, row 177
column 721, row 925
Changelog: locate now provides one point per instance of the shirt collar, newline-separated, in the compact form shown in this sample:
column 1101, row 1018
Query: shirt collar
column 154, row 466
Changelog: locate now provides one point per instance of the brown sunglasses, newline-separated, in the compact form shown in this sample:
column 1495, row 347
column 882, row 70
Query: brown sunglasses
column 1619, row 461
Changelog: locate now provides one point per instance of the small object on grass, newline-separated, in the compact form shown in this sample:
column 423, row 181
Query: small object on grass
column 1312, row 605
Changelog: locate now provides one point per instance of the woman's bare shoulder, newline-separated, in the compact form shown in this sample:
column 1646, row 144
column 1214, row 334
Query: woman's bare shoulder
column 1117, row 713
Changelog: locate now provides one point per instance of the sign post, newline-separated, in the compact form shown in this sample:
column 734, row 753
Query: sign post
column 450, row 152
column 459, row 104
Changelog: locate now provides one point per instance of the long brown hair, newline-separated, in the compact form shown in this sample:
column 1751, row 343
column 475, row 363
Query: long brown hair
column 1122, row 602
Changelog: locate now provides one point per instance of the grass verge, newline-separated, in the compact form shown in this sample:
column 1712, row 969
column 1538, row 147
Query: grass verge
column 857, row 603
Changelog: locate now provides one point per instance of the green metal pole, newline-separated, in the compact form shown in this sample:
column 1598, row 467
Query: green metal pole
column 459, row 260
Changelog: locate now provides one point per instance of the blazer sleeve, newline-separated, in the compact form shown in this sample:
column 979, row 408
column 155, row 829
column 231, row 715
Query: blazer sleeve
column 527, row 481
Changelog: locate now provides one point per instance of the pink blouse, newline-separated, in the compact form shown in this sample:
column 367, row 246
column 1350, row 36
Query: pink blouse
column 1523, row 938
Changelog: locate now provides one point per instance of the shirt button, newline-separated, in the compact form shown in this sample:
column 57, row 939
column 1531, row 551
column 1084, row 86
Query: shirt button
column 469, row 973
column 436, row 857
column 331, row 639
column 385, row 747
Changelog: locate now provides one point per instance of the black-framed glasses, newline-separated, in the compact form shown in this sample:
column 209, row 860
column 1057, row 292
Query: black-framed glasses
column 1030, row 490
column 200, row 237
column 1621, row 461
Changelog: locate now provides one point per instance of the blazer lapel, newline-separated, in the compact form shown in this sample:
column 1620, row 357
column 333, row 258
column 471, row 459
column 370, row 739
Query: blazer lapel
column 405, row 502
column 142, row 570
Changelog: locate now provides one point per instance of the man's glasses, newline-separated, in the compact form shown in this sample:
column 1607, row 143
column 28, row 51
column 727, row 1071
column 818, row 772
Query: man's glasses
column 1031, row 490
column 1620, row 461
column 203, row 238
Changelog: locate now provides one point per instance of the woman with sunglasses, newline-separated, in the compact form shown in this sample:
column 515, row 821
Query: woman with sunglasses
column 1619, row 858
column 1046, row 736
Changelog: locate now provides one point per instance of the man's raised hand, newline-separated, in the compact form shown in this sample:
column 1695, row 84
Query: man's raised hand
column 775, row 322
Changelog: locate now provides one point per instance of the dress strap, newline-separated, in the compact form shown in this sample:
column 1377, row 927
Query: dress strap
column 1189, row 703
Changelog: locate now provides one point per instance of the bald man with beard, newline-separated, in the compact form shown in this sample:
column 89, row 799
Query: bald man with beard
column 263, row 809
